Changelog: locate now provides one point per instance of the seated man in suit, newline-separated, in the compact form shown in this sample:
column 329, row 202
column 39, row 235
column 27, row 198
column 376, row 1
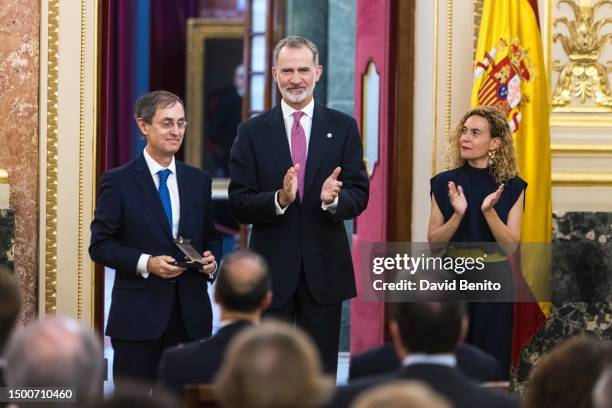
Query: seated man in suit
column 243, row 292
column 473, row 362
column 426, row 336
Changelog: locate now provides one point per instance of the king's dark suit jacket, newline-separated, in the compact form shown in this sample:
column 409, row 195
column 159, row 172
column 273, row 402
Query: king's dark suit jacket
column 260, row 158
column 196, row 362
column 447, row 381
column 129, row 220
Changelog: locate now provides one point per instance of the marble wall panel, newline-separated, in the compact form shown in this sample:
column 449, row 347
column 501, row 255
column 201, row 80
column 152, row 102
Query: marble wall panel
column 581, row 286
column 583, row 257
column 310, row 19
column 341, row 56
column 19, row 67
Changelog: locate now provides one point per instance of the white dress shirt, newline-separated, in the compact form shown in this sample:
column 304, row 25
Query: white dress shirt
column 154, row 168
column 306, row 122
column 448, row 360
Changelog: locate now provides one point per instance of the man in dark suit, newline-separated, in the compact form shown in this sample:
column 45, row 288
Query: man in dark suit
column 142, row 207
column 473, row 362
column 223, row 115
column 296, row 174
column 243, row 292
column 425, row 336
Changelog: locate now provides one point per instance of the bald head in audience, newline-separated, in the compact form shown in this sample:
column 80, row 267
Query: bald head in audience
column 56, row 352
column 602, row 393
column 272, row 366
column 566, row 376
column 243, row 286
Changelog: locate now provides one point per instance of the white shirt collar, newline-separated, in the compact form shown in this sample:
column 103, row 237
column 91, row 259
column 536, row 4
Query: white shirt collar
column 154, row 166
column 448, row 360
column 288, row 110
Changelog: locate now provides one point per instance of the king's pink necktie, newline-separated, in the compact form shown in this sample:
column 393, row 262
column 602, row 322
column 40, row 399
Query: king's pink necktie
column 298, row 149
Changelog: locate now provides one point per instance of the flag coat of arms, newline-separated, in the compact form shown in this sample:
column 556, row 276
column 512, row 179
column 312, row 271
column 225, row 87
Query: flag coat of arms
column 509, row 73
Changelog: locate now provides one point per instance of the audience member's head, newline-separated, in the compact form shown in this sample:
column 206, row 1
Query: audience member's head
column 243, row 285
column 10, row 304
column 427, row 327
column 130, row 394
column 401, row 394
column 56, row 352
column 272, row 366
column 240, row 79
column 566, row 376
column 602, row 393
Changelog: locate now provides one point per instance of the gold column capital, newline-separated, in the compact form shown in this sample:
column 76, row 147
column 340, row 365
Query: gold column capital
column 4, row 177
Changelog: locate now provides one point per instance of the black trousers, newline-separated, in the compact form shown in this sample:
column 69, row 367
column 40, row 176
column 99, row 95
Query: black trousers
column 321, row 322
column 139, row 360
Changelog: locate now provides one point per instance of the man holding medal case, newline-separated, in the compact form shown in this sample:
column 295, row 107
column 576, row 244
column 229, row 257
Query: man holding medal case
column 143, row 209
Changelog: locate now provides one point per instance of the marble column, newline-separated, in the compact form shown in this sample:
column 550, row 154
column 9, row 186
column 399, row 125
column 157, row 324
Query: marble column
column 19, row 68
column 340, row 75
column 341, row 56
column 309, row 19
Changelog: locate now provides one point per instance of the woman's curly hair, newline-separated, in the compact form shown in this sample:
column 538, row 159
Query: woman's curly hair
column 504, row 167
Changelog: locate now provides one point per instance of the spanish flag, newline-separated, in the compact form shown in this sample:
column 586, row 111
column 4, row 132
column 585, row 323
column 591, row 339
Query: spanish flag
column 509, row 72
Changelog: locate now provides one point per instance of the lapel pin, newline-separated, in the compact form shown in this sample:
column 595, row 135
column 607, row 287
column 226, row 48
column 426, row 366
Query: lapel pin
column 329, row 135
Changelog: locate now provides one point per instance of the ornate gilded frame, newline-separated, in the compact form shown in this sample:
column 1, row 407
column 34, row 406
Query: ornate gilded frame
column 68, row 49
column 570, row 116
column 198, row 31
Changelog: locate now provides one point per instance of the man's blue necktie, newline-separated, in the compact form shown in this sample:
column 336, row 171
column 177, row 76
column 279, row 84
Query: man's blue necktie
column 164, row 194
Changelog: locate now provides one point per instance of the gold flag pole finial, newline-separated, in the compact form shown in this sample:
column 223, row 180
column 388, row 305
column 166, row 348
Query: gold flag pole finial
column 4, row 178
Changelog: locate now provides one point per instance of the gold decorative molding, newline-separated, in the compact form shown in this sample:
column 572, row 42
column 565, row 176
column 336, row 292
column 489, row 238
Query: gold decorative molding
column 581, row 179
column 96, row 130
column 449, row 69
column 4, row 177
column 559, row 118
column 51, row 173
column 582, row 78
column 81, row 163
column 478, row 6
column 434, row 137
column 580, row 149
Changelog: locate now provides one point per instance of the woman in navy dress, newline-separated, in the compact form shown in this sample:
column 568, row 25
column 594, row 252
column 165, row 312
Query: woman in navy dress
column 481, row 199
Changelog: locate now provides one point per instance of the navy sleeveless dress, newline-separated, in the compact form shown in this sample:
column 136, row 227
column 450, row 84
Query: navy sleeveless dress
column 491, row 322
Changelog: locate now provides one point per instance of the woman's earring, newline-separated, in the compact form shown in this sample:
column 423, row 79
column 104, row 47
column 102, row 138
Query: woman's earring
column 492, row 154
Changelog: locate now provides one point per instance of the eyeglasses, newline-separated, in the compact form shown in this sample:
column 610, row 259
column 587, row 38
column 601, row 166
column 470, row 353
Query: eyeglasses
column 168, row 124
